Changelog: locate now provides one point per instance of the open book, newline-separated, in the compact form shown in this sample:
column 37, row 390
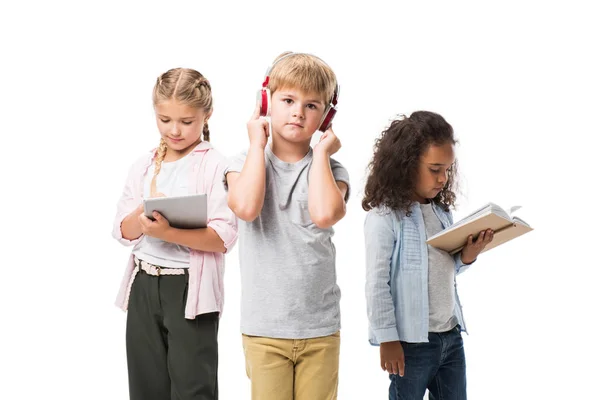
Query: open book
column 491, row 216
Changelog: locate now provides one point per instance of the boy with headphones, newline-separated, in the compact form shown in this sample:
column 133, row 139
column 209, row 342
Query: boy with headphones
column 288, row 196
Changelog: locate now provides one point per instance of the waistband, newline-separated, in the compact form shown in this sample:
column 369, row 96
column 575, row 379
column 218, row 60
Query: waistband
column 157, row 270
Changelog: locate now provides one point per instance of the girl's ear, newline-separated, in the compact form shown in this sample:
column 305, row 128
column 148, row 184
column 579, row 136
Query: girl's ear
column 208, row 116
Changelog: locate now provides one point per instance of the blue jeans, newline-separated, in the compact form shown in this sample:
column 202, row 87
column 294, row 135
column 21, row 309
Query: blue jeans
column 438, row 365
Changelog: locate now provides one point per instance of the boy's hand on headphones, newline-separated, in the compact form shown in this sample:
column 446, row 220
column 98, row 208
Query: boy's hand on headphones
column 392, row 357
column 473, row 248
column 258, row 129
column 329, row 143
column 156, row 228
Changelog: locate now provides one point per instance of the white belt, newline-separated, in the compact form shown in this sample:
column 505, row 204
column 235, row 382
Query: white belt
column 157, row 270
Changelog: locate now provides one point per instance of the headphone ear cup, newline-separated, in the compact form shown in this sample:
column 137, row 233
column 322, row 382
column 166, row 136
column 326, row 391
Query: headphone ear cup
column 259, row 97
column 264, row 100
column 268, row 101
column 326, row 124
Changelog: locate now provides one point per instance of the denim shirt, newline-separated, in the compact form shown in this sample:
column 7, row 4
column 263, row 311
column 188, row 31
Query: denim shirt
column 397, row 275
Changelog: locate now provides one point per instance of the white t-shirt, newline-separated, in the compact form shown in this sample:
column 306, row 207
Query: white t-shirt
column 172, row 180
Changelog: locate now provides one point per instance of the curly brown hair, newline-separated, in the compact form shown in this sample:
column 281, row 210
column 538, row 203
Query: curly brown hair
column 393, row 171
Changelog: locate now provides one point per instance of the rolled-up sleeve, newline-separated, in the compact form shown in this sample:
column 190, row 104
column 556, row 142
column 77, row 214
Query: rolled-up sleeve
column 234, row 164
column 220, row 217
column 379, row 246
column 459, row 265
column 127, row 203
column 340, row 174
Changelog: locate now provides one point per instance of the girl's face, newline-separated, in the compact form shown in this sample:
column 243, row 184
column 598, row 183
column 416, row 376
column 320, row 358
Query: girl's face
column 179, row 125
column 432, row 173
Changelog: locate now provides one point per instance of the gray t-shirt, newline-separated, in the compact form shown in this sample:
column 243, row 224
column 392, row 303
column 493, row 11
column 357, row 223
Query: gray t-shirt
column 287, row 263
column 441, row 278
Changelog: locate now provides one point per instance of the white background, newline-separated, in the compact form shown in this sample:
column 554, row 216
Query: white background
column 517, row 80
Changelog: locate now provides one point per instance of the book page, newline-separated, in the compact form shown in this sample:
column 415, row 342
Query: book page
column 496, row 209
column 474, row 214
column 520, row 221
column 484, row 211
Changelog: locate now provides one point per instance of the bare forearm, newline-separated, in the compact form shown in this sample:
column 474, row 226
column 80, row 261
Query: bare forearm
column 130, row 227
column 247, row 195
column 325, row 200
column 204, row 239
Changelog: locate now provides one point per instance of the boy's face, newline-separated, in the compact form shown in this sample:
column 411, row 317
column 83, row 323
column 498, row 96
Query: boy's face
column 295, row 115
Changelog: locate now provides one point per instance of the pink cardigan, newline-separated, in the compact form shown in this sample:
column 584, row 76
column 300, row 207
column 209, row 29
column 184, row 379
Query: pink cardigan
column 205, row 285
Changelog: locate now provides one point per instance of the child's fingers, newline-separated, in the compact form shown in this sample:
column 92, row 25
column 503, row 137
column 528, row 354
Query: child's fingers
column 144, row 222
column 386, row 366
column 389, row 368
column 401, row 367
column 256, row 112
column 488, row 238
column 480, row 237
column 395, row 367
column 382, row 364
column 265, row 125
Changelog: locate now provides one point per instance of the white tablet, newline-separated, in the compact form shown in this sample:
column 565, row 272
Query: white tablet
column 184, row 212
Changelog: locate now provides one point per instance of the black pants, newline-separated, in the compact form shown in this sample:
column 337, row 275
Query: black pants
column 168, row 356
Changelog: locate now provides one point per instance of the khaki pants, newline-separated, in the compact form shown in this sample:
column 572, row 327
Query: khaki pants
column 293, row 369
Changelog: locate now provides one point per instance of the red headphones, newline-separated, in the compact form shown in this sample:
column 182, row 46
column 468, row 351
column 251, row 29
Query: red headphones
column 264, row 98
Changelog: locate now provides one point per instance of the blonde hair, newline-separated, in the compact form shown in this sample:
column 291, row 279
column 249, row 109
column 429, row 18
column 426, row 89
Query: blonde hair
column 305, row 72
column 189, row 87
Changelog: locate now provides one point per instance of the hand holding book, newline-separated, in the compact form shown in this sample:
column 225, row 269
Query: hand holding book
column 474, row 247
